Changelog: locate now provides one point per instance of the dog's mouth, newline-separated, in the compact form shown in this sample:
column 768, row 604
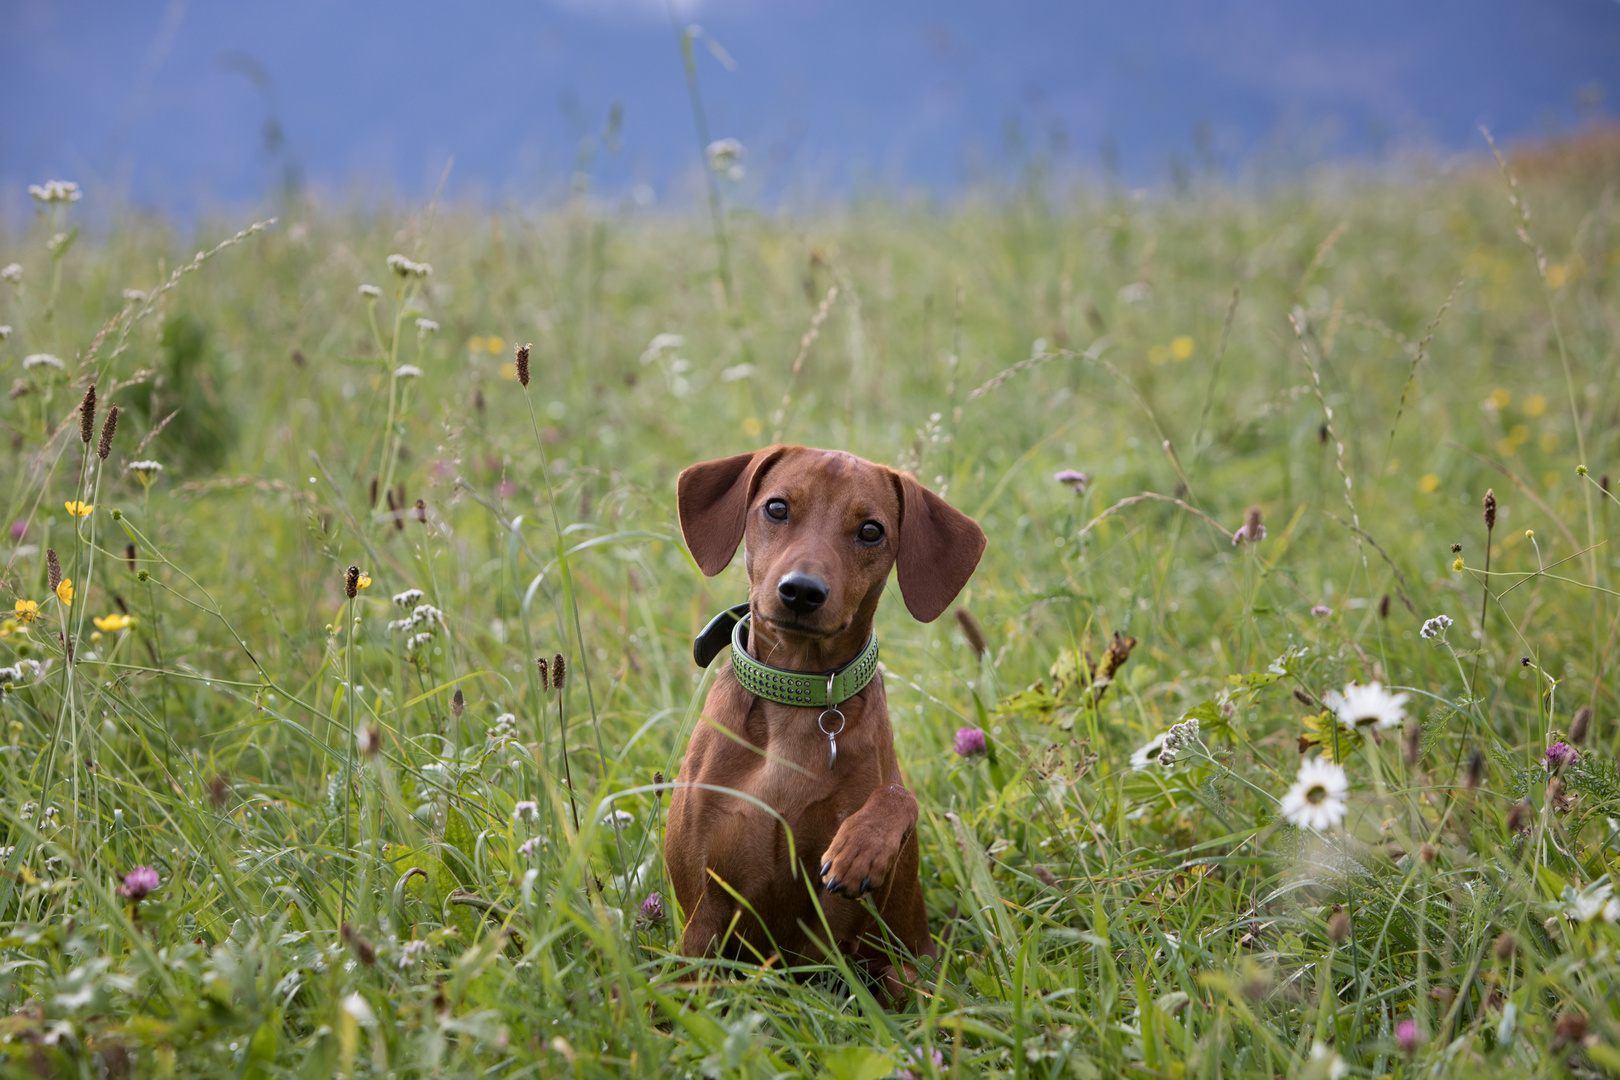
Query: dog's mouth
column 796, row 628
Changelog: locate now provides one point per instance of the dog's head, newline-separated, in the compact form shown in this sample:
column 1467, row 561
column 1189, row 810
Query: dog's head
column 821, row 530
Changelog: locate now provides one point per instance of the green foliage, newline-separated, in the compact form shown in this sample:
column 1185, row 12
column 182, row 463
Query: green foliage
column 376, row 855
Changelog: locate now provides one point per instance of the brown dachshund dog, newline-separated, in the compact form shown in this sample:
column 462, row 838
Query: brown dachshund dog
column 821, row 530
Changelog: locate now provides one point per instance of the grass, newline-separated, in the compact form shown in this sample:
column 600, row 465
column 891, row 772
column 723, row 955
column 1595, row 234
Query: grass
column 351, row 878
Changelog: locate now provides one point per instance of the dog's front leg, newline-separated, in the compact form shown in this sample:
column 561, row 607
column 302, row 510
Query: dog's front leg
column 863, row 851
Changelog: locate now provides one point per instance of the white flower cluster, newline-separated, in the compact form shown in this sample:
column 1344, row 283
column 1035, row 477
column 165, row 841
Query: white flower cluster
column 409, row 597
column 525, row 810
column 5, row 332
column 1593, row 902
column 11, row 272
column 427, row 326
column 405, row 267
column 21, row 670
column 41, row 359
column 409, row 951
column 1163, row 747
column 725, row 157
column 407, row 371
column 370, row 292
column 1435, row 627
column 56, row 191
column 505, row 729
column 146, row 468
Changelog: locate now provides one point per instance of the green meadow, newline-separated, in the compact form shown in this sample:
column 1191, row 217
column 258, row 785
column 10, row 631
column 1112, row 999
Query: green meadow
column 377, row 840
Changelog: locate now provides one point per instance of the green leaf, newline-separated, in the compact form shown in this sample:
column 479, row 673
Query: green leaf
column 856, row 1063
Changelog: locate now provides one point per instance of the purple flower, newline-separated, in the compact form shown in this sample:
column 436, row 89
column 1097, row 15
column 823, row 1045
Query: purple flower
column 1407, row 1037
column 916, row 1055
column 1560, row 756
column 18, row 528
column 1074, row 478
column 138, row 883
column 506, row 489
column 652, row 909
column 1321, row 611
column 969, row 741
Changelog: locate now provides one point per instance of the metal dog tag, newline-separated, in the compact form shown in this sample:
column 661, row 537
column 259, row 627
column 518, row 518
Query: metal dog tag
column 832, row 736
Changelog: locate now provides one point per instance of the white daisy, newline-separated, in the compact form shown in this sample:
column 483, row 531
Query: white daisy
column 1316, row 801
column 1367, row 706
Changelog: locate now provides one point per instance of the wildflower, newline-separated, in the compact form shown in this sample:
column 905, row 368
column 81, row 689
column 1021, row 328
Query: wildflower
column 427, row 613
column 1182, row 347
column 77, row 508
column 652, row 909
column 11, row 272
column 1579, row 725
column 1321, row 611
column 405, row 267
column 114, row 622
column 1253, row 528
column 1150, row 754
column 427, row 326
column 64, row 591
column 1077, row 480
column 618, row 819
column 1407, row 1036
column 969, row 741
column 521, row 360
column 1457, row 563
column 916, row 1058
column 370, row 292
column 108, row 428
column 408, row 371
column 1179, row 736
column 139, row 883
column 1560, row 756
column 1371, row 705
column 725, row 156
column 26, row 611
column 146, row 470
column 1316, row 801
column 661, row 344
column 525, row 810
column 5, row 332
column 412, row 949
column 1593, row 902
column 424, row 638
column 364, row 581
column 41, row 359
column 408, row 597
column 56, row 191
column 1435, row 627
column 1326, row 1063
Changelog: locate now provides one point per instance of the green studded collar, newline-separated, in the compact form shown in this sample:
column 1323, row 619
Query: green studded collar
column 806, row 689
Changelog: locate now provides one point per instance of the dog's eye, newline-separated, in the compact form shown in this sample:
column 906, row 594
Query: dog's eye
column 869, row 533
column 776, row 509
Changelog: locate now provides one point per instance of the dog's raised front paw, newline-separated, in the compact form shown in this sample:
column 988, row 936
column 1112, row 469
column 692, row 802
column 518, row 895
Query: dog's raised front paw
column 859, row 858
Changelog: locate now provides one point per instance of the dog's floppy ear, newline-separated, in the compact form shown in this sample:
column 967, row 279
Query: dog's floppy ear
column 712, row 498
column 939, row 548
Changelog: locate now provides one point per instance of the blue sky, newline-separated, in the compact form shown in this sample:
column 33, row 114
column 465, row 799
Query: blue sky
column 165, row 103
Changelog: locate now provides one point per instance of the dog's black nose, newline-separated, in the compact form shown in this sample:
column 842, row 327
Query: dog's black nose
column 801, row 592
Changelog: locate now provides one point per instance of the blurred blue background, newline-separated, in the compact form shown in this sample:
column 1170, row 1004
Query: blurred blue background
column 185, row 107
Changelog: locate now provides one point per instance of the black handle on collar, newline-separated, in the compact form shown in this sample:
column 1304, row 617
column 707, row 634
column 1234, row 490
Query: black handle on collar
column 717, row 635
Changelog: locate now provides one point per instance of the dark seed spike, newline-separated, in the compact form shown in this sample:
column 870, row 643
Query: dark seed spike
column 458, row 702
column 1579, row 725
column 559, row 671
column 1383, row 607
column 351, row 582
column 1476, row 769
column 87, row 415
column 421, row 511
column 1490, row 509
column 522, row 356
column 374, row 493
column 545, row 676
column 53, row 569
column 108, row 427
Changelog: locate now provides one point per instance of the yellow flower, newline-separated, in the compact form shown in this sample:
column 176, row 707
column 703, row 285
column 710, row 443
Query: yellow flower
column 1429, row 483
column 77, row 508
column 1182, row 347
column 1557, row 276
column 1500, row 398
column 1158, row 354
column 1535, row 405
column 509, row 372
column 8, row 627
column 1457, row 564
column 26, row 611
column 115, row 621
column 364, row 582
column 751, row 426
column 495, row 344
column 475, row 344
column 64, row 591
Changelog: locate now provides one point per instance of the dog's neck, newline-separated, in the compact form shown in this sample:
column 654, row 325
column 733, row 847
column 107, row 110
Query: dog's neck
column 770, row 644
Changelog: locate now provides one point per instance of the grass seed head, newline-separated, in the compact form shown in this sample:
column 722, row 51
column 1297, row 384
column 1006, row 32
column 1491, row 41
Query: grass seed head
column 421, row 511
column 1579, row 726
column 972, row 631
column 559, row 671
column 87, row 415
column 458, row 703
column 351, row 582
column 1476, row 769
column 1490, row 509
column 363, row 949
column 1414, row 744
column 1519, row 817
column 53, row 569
column 1383, row 606
column 545, row 673
column 108, row 427
column 219, row 789
column 522, row 356
column 1505, row 946
column 1338, row 926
